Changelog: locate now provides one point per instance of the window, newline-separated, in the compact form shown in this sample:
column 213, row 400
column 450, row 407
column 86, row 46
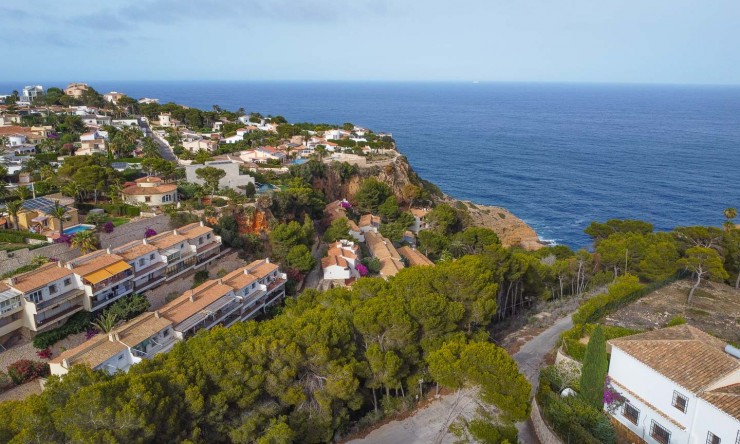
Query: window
column 680, row 401
column 659, row 433
column 53, row 288
column 35, row 297
column 142, row 261
column 167, row 198
column 147, row 198
column 712, row 438
column 631, row 413
column 165, row 333
column 208, row 236
column 120, row 357
column 151, row 257
column 67, row 282
column 200, row 241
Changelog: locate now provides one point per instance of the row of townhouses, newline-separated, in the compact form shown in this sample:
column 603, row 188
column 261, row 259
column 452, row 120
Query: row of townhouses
column 46, row 297
column 238, row 296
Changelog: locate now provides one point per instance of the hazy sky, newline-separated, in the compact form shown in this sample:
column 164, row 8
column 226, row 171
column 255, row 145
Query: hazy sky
column 664, row 41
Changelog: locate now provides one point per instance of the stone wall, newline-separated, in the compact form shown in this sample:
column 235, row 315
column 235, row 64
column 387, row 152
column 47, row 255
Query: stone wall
column 134, row 231
column 560, row 357
column 13, row 260
column 541, row 429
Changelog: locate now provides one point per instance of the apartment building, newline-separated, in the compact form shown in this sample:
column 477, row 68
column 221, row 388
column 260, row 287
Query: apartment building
column 44, row 298
column 238, row 296
column 141, row 338
column 105, row 277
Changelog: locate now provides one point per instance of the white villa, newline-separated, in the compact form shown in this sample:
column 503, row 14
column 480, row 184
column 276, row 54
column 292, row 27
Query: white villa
column 232, row 179
column 681, row 386
column 341, row 260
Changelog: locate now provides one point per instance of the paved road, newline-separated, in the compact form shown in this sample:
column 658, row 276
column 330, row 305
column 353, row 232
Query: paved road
column 429, row 425
column 164, row 149
column 530, row 359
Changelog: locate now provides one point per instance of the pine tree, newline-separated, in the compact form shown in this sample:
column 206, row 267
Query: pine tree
column 594, row 371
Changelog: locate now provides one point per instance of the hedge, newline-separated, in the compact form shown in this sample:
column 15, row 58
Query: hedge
column 571, row 339
column 625, row 290
column 77, row 323
column 114, row 209
column 47, row 157
column 19, row 237
column 25, row 370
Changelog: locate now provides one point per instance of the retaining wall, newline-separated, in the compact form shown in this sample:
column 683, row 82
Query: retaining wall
column 543, row 432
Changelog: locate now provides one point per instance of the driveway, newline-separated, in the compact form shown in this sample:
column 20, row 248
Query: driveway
column 430, row 424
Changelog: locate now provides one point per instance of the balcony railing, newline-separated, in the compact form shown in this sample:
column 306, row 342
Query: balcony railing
column 112, row 281
column 41, row 323
column 103, row 299
column 58, row 299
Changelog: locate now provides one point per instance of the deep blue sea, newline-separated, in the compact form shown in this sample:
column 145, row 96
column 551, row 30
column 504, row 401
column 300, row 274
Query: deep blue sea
column 557, row 155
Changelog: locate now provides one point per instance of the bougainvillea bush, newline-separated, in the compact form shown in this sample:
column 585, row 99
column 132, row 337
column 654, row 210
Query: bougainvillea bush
column 150, row 232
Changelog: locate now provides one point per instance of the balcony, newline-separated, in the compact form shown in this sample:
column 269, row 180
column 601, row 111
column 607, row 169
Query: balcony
column 47, row 321
column 147, row 284
column 112, row 281
column 58, row 299
column 104, row 299
column 150, row 269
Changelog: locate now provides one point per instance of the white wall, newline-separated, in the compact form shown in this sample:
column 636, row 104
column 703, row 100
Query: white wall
column 336, row 272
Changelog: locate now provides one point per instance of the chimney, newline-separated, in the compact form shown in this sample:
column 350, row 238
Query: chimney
column 175, row 232
column 192, row 296
column 112, row 337
column 145, row 242
column 59, row 264
column 65, row 363
column 267, row 260
column 220, row 281
column 156, row 314
column 12, row 281
column 107, row 250
column 201, row 224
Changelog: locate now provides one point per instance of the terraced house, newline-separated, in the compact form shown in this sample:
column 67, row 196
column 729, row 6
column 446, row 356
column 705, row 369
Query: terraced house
column 238, row 296
column 46, row 297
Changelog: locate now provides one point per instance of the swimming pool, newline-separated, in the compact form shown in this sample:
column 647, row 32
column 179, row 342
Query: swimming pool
column 74, row 229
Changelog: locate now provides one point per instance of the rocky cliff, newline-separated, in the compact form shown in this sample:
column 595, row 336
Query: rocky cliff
column 403, row 180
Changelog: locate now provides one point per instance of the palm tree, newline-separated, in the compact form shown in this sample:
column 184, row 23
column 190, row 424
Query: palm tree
column 86, row 241
column 22, row 192
column 106, row 322
column 730, row 213
column 14, row 207
column 71, row 189
column 58, row 212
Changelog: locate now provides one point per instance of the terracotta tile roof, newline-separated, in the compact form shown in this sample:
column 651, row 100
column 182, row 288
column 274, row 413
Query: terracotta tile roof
column 194, row 301
column 239, row 278
column 684, row 354
column 133, row 250
column 414, row 257
column 383, row 249
column 194, row 230
column 93, row 352
column 94, row 261
column 328, row 261
column 419, row 212
column 40, row 277
column 261, row 268
column 145, row 191
column 14, row 129
column 369, row 219
column 141, row 328
column 353, row 226
column 166, row 239
column 726, row 399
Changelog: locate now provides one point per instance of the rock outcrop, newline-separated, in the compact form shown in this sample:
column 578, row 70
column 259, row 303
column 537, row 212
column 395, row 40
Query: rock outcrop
column 511, row 230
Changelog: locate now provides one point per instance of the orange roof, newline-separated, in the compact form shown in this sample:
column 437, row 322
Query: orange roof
column 328, row 261
column 14, row 129
column 369, row 219
column 40, row 277
column 194, row 230
column 144, row 191
column 419, row 212
column 94, row 261
column 239, row 278
column 414, row 256
column 684, row 354
column 726, row 399
column 166, row 240
column 194, row 301
column 132, row 250
column 92, row 352
column 150, row 179
column 261, row 268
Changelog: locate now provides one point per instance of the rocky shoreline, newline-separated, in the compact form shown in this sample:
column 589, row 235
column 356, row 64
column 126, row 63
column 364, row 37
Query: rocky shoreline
column 511, row 230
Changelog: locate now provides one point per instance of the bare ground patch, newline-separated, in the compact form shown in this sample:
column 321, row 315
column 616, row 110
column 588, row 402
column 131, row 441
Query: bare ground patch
column 715, row 309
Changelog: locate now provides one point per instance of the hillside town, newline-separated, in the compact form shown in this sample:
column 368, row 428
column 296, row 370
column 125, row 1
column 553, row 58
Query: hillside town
column 308, row 273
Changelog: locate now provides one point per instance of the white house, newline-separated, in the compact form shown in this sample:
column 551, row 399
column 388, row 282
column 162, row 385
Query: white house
column 29, row 93
column 16, row 139
column 151, row 191
column 680, row 384
column 232, row 179
column 113, row 97
column 165, row 119
column 341, row 260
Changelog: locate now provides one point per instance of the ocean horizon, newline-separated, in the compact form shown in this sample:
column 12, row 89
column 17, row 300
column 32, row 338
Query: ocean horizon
column 558, row 155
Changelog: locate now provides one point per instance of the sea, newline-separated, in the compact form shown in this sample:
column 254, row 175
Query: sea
column 557, row 155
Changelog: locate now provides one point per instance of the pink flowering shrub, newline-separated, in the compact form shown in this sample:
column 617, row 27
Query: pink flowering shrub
column 361, row 269
column 150, row 232
column 45, row 353
column 64, row 239
column 612, row 398
column 108, row 227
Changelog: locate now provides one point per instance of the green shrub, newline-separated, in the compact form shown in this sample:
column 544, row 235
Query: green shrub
column 19, row 237
column 200, row 277
column 128, row 307
column 571, row 338
column 677, row 320
column 76, row 323
column 121, row 210
column 5, row 381
column 46, row 157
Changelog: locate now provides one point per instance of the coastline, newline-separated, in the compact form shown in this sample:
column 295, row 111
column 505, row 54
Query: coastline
column 511, row 230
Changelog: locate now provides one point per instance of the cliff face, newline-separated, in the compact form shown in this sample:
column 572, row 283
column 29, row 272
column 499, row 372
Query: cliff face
column 511, row 230
column 395, row 173
column 399, row 175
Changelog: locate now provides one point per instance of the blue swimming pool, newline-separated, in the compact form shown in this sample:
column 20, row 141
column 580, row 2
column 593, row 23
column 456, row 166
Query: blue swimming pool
column 300, row 161
column 74, row 229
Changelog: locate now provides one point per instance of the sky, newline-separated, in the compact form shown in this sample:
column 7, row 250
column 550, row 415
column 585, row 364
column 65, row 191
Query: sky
column 619, row 41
